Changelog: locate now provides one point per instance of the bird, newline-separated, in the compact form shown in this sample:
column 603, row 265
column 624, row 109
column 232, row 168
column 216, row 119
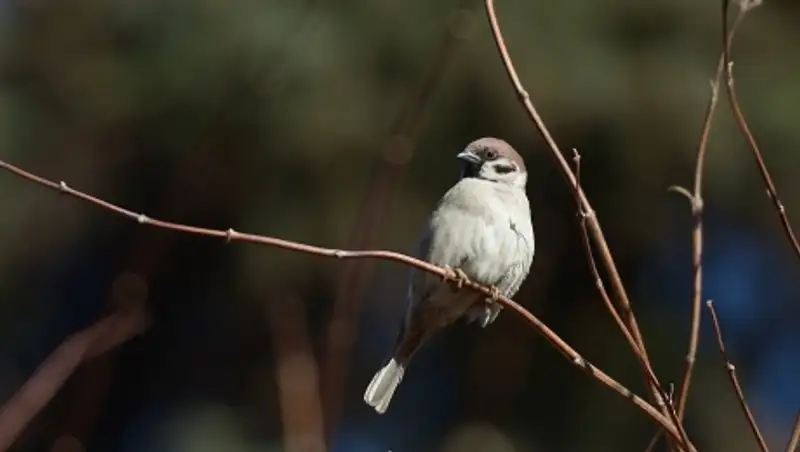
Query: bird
column 481, row 230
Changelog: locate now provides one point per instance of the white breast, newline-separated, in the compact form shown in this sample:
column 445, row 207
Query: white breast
column 485, row 229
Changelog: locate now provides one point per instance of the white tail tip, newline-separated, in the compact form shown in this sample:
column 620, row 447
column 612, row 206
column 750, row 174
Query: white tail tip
column 381, row 389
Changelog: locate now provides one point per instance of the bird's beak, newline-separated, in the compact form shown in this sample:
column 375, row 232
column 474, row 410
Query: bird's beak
column 469, row 156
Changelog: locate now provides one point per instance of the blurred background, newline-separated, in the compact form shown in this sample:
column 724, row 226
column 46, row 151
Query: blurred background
column 336, row 123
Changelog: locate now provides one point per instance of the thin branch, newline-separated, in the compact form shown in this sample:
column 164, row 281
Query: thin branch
column 92, row 386
column 795, row 438
column 592, row 263
column 734, row 379
column 593, row 223
column 97, row 339
column 772, row 191
column 587, row 246
column 591, row 218
column 697, row 204
column 654, row 441
column 230, row 235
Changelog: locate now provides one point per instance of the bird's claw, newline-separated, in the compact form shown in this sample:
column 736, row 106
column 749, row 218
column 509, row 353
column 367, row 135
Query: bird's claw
column 494, row 296
column 456, row 275
column 462, row 277
column 491, row 307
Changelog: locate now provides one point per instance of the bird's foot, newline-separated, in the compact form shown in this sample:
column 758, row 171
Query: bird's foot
column 492, row 307
column 495, row 295
column 456, row 275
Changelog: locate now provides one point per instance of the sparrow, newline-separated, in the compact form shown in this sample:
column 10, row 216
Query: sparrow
column 480, row 231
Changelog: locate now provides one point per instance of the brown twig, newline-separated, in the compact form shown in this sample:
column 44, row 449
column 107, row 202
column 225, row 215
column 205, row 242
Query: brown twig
column 592, row 263
column 734, row 379
column 795, row 438
column 696, row 200
column 697, row 204
column 230, row 235
column 185, row 195
column 591, row 218
column 97, row 339
column 652, row 444
column 772, row 191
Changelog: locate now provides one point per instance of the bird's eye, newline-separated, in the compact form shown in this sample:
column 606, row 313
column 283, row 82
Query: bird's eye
column 491, row 154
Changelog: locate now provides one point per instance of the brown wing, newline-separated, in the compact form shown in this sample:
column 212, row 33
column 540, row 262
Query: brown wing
column 438, row 308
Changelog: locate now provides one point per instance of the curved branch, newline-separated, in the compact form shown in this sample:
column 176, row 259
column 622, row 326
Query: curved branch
column 593, row 224
column 794, row 440
column 95, row 340
column 696, row 200
column 731, row 368
column 586, row 207
column 230, row 235
column 733, row 100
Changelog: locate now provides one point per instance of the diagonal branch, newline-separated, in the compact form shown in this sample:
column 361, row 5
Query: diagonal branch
column 697, row 204
column 795, row 438
column 735, row 380
column 592, row 222
column 97, row 339
column 772, row 191
column 696, row 199
column 592, row 263
column 230, row 235
column 590, row 217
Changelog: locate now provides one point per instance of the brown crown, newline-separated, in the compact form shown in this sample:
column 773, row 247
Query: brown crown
column 482, row 145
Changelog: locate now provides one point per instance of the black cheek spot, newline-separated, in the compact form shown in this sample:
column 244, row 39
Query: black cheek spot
column 504, row 169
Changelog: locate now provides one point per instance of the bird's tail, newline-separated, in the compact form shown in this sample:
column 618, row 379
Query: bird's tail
column 381, row 389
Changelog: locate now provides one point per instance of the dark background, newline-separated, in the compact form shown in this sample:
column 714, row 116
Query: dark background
column 336, row 123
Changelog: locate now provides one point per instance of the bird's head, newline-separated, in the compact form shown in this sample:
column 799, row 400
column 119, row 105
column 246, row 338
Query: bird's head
column 494, row 160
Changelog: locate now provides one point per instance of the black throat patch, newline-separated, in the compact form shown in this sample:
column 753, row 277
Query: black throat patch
column 471, row 169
